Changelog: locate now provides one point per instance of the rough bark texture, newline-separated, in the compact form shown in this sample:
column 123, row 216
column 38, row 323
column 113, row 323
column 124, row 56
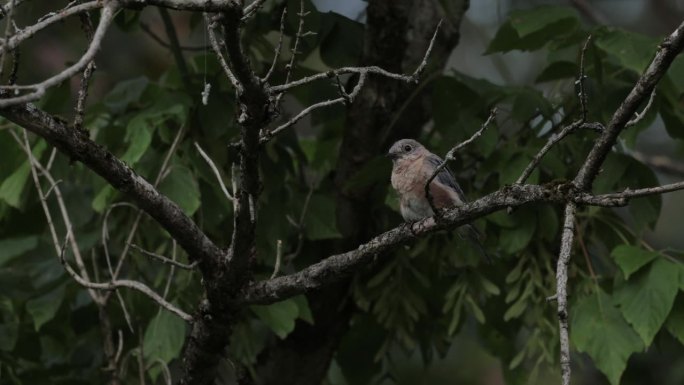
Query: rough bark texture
column 395, row 40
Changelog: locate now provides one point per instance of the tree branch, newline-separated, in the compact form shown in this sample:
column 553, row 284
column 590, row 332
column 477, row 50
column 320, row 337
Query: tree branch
column 667, row 51
column 106, row 18
column 78, row 146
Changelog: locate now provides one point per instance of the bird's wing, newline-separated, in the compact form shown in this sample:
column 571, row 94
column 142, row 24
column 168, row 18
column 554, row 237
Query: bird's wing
column 445, row 176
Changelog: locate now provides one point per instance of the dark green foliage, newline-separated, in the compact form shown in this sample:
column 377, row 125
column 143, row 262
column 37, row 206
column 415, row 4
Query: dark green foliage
column 623, row 293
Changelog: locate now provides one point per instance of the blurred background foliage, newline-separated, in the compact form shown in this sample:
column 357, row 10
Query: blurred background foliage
column 431, row 312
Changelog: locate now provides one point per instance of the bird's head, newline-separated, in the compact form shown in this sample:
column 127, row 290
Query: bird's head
column 405, row 150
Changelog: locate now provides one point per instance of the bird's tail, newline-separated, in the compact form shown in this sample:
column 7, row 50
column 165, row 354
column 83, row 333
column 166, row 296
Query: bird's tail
column 474, row 236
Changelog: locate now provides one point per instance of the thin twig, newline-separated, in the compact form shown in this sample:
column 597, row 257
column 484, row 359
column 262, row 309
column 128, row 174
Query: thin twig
column 39, row 89
column 213, row 39
column 278, row 48
column 115, row 284
column 580, row 81
column 265, row 137
column 294, row 51
column 279, row 257
column 553, row 140
column 54, row 17
column 216, row 171
column 640, row 116
column 450, row 156
column 8, row 32
column 87, row 25
column 165, row 260
column 413, row 78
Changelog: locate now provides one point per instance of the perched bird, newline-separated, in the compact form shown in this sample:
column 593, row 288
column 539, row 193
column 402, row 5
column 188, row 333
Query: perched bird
column 412, row 166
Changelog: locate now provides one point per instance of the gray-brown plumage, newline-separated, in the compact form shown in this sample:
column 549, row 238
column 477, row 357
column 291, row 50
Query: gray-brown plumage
column 412, row 167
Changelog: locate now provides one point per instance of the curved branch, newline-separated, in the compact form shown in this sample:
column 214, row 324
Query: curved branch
column 106, row 18
column 115, row 284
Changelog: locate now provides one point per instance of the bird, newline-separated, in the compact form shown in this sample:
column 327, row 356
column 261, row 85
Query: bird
column 412, row 167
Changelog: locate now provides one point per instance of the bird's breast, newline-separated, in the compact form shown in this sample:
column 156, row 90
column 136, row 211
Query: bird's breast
column 407, row 177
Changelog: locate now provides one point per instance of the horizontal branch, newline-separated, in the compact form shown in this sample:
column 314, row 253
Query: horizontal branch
column 622, row 198
column 345, row 98
column 413, row 78
column 336, row 267
column 77, row 145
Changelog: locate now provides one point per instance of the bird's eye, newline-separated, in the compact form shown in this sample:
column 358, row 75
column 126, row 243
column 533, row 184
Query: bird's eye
column 407, row 148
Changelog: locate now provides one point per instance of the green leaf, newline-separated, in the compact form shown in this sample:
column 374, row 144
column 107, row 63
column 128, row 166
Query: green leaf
column 320, row 221
column 515, row 239
column 526, row 31
column 14, row 247
column 279, row 317
column 556, row 71
column 675, row 321
column 163, row 339
column 9, row 325
column 44, row 308
column 103, row 198
column 631, row 258
column 125, row 93
column 646, row 301
column 303, row 307
column 139, row 135
column 599, row 330
column 12, row 188
column 537, row 19
column 343, row 44
column 633, row 51
column 181, row 187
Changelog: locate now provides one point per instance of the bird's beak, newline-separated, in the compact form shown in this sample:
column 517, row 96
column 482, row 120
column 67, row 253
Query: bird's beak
column 391, row 155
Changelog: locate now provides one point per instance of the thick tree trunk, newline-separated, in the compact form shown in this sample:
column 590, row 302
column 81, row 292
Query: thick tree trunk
column 397, row 34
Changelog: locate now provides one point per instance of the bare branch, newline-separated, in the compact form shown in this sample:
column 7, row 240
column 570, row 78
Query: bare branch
column 279, row 257
column 115, row 284
column 87, row 25
column 298, row 36
column 165, row 260
column 35, row 166
column 562, row 291
column 38, row 90
column 265, row 137
column 216, row 172
column 580, row 81
column 413, row 78
column 553, row 140
column 450, row 156
column 79, row 147
column 23, row 34
column 622, row 198
column 252, row 9
column 667, row 51
column 640, row 116
column 278, row 48
column 213, row 39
